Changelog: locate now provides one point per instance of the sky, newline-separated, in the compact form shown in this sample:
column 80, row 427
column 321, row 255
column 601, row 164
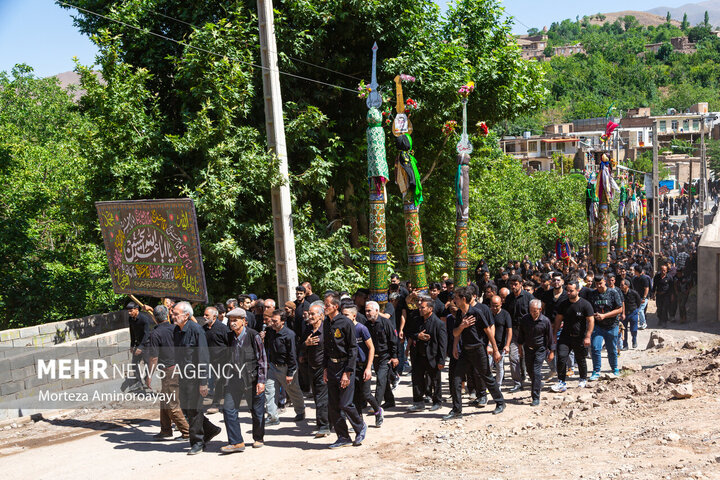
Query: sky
column 41, row 34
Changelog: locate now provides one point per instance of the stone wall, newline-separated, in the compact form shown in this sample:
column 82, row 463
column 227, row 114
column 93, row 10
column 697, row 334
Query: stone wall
column 61, row 332
column 18, row 367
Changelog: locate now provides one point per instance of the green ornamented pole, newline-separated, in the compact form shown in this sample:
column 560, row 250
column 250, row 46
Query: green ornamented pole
column 408, row 179
column 603, row 220
column 377, row 176
column 462, row 195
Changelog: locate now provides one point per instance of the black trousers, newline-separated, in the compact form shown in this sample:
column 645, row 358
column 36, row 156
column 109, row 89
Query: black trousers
column 305, row 376
column 663, row 307
column 191, row 404
column 475, row 363
column 320, row 394
column 363, row 391
column 218, row 386
column 566, row 345
column 341, row 400
column 383, row 389
column 452, row 366
column 534, row 358
column 424, row 378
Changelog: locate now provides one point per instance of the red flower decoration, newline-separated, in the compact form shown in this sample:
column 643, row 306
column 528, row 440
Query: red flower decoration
column 483, row 128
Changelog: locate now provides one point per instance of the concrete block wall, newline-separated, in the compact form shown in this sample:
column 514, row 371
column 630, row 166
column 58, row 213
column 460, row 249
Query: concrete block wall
column 18, row 371
column 61, row 332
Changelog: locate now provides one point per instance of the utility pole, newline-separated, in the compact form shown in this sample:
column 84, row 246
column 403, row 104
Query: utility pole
column 655, row 199
column 284, row 236
column 703, row 169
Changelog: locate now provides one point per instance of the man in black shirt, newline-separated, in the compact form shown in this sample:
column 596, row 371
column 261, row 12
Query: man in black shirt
column 663, row 289
column 428, row 355
column 216, row 335
column 607, row 305
column 340, row 354
column 385, row 340
column 161, row 355
column 641, row 284
column 536, row 340
column 312, row 344
column 517, row 303
column 299, row 325
column 140, row 324
column 282, row 368
column 503, row 335
column 575, row 321
column 632, row 302
column 192, row 358
column 476, row 332
column 309, row 295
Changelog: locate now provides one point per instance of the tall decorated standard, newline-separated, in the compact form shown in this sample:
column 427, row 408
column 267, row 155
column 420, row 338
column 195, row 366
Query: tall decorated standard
column 462, row 194
column 377, row 177
column 408, row 179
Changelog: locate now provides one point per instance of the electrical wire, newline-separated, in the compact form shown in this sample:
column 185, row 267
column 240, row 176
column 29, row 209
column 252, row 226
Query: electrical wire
column 150, row 32
column 288, row 56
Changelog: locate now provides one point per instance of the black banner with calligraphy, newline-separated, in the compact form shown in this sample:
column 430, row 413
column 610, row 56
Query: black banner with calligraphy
column 153, row 248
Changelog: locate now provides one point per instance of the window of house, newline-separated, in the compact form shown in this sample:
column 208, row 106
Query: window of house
column 696, row 125
column 663, row 126
column 686, row 125
column 560, row 129
column 537, row 166
column 639, row 137
column 674, row 126
column 532, row 147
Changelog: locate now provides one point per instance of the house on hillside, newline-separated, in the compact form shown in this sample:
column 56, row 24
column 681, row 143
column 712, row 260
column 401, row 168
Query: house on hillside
column 533, row 47
column 679, row 45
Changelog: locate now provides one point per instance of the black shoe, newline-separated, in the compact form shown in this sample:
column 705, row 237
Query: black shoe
column 499, row 409
column 476, row 403
column 379, row 419
column 299, row 417
column 535, row 402
column 211, row 434
column 452, row 415
column 271, row 421
column 163, row 436
column 482, row 401
column 516, row 388
column 435, row 407
column 427, row 399
column 387, row 405
column 197, row 448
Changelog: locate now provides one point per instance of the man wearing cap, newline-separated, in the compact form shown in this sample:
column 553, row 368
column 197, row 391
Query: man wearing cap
column 192, row 358
column 140, row 324
column 245, row 380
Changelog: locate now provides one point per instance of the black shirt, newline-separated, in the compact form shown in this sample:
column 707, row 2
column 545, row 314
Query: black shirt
column 384, row 337
column 390, row 310
column 192, row 349
column 475, row 335
column 535, row 333
column 639, row 284
column 606, row 302
column 311, row 298
column 551, row 303
column 632, row 301
column 438, row 308
column 340, row 341
column 574, row 317
column 161, row 344
column 518, row 307
column 281, row 348
column 585, row 292
column 314, row 353
column 217, row 340
column 502, row 322
column 253, row 322
column 662, row 286
column 140, row 327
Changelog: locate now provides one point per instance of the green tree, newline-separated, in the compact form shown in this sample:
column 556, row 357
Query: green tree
column 706, row 19
column 54, row 266
column 685, row 24
column 644, row 163
column 200, row 123
column 668, row 18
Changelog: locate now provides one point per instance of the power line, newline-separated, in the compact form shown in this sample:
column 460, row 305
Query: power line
column 288, row 56
column 150, row 32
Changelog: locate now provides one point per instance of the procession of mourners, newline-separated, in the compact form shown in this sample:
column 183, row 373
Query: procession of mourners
column 458, row 347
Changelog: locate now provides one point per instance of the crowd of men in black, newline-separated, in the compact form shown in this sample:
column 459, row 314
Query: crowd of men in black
column 328, row 349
